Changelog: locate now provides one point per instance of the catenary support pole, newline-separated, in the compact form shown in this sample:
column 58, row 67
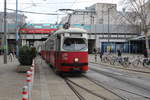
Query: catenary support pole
column 17, row 36
column 5, row 33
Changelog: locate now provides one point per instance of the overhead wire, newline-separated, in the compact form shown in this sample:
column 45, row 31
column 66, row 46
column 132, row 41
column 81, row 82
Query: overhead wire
column 33, row 3
column 73, row 3
column 36, row 12
column 55, row 2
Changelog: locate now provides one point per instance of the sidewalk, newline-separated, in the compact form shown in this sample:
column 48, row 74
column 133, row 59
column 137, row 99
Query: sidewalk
column 139, row 69
column 48, row 86
column 11, row 82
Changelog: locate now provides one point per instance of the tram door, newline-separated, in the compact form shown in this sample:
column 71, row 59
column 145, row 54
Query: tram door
column 58, row 53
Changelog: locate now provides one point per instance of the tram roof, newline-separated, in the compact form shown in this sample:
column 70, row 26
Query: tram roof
column 70, row 30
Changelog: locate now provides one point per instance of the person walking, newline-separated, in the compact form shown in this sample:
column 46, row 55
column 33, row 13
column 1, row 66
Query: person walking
column 119, row 53
column 95, row 53
column 101, row 54
column 145, row 53
column 11, row 56
column 13, row 52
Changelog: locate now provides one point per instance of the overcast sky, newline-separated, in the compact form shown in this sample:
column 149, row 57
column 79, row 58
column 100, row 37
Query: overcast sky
column 49, row 6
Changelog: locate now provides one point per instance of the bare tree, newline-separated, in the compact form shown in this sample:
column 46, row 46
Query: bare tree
column 139, row 14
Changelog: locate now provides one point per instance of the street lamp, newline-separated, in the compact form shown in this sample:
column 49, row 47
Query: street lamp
column 5, row 34
column 17, row 29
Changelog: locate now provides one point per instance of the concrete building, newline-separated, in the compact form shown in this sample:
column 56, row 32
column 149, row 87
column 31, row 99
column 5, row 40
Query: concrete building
column 107, row 27
column 11, row 27
column 29, row 34
column 143, row 20
column 35, row 34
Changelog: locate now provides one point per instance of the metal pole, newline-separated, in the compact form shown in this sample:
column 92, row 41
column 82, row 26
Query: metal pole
column 108, row 25
column 129, row 47
column 108, row 46
column 91, row 22
column 17, row 36
column 5, row 34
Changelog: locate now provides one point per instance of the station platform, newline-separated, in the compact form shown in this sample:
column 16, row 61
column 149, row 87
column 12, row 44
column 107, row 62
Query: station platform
column 48, row 85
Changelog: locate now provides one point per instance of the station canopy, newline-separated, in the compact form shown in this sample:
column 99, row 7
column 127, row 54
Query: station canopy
column 141, row 37
column 38, row 29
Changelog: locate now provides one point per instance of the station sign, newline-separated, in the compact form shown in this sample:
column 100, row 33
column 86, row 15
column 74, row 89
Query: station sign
column 36, row 31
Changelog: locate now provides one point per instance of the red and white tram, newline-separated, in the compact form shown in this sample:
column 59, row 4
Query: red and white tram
column 67, row 50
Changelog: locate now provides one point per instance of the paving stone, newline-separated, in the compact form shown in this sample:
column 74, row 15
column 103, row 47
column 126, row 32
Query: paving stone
column 11, row 82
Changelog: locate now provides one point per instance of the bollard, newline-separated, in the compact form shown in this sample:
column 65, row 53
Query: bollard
column 95, row 57
column 32, row 71
column 29, row 79
column 25, row 93
column 33, row 63
column 29, row 74
column 29, row 83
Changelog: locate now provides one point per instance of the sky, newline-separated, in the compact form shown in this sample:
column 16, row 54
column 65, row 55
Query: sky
column 49, row 6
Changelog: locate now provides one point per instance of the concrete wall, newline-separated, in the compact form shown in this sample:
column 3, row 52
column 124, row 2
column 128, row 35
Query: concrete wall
column 11, row 24
column 104, row 28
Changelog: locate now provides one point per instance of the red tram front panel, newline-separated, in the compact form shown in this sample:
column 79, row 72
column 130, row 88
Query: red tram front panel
column 71, row 61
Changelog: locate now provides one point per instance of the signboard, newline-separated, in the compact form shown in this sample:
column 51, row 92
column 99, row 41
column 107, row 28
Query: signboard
column 36, row 31
column 53, row 26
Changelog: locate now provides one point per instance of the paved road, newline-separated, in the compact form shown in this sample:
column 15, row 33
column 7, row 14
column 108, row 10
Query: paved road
column 117, row 79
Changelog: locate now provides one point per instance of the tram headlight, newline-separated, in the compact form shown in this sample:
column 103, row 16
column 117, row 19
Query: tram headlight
column 76, row 59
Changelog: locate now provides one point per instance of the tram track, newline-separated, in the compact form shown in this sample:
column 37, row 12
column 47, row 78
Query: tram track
column 123, row 79
column 74, row 90
column 73, row 84
column 109, row 88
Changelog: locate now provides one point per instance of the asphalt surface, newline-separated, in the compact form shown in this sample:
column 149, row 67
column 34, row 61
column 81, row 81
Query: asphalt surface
column 119, row 79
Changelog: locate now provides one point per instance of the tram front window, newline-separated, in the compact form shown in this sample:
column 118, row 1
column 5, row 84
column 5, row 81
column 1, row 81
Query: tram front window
column 74, row 44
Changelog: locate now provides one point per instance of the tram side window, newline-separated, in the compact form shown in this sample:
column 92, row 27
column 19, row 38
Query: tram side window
column 58, row 43
column 51, row 44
